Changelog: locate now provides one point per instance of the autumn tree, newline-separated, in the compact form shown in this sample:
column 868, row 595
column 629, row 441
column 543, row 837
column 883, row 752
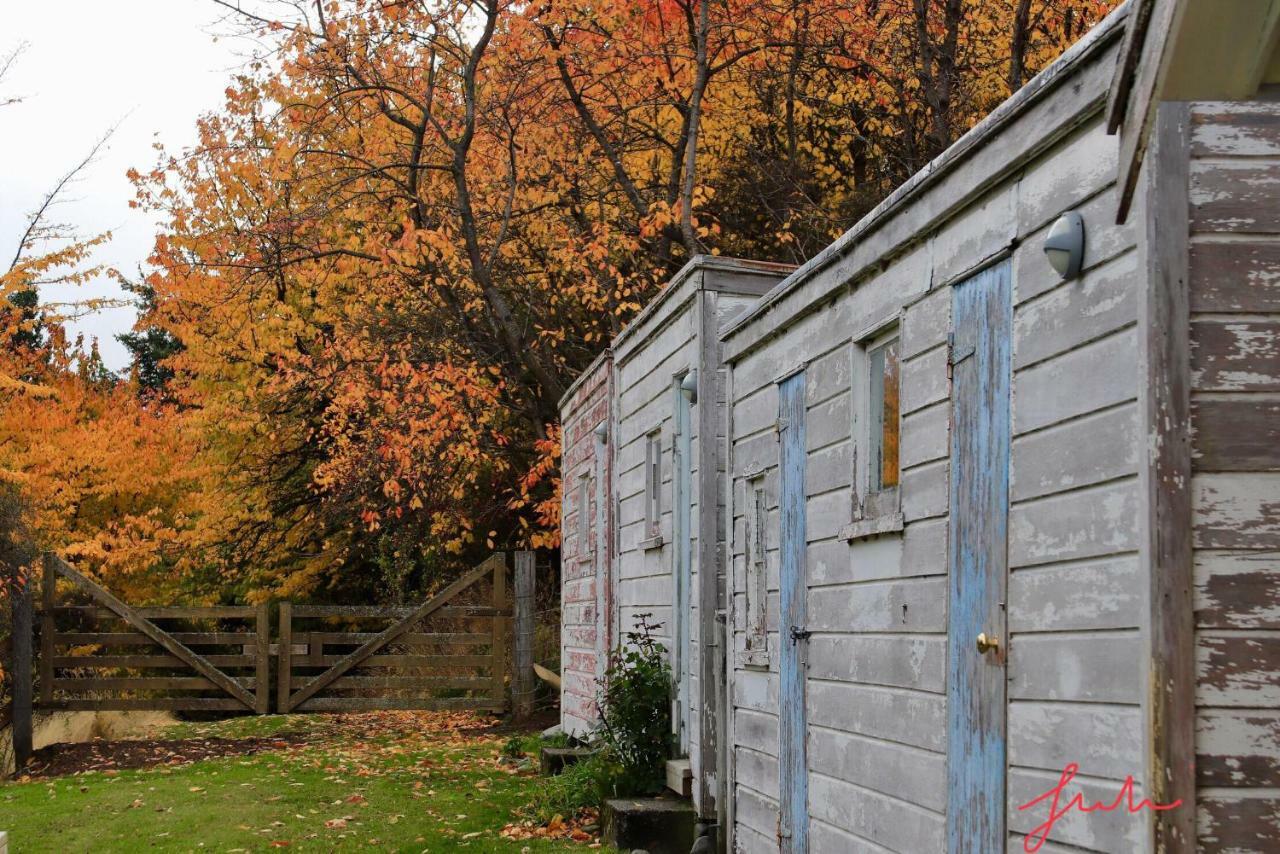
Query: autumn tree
column 412, row 224
column 85, row 469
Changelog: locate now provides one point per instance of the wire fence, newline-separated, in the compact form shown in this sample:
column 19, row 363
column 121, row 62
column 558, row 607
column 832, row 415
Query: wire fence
column 546, row 632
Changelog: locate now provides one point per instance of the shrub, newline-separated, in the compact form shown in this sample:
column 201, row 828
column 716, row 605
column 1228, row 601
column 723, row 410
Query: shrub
column 585, row 783
column 514, row 748
column 635, row 713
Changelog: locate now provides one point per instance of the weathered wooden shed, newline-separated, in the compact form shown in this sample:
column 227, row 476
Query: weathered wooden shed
column 988, row 522
column 667, row 396
column 586, row 543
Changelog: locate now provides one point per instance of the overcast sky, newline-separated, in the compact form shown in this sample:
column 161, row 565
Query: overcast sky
column 152, row 66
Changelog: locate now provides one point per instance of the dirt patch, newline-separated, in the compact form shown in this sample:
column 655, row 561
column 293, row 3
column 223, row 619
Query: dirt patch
column 75, row 727
column 58, row 760
column 339, row 730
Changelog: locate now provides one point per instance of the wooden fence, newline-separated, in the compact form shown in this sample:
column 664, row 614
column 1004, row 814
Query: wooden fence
column 96, row 653
column 175, row 658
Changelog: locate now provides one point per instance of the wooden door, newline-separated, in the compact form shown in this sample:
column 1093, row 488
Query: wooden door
column 793, row 768
column 682, row 574
column 977, row 634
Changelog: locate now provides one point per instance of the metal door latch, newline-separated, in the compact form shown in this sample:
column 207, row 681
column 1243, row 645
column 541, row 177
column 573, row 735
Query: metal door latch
column 799, row 634
column 956, row 356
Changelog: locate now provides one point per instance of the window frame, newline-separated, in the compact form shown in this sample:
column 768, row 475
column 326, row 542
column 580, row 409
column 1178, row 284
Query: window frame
column 653, row 485
column 586, row 544
column 756, row 574
column 875, row 412
column 875, row 510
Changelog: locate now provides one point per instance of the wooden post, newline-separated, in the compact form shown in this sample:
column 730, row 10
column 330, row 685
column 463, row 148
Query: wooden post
column 48, row 601
column 21, row 727
column 498, row 688
column 1165, row 476
column 284, row 658
column 262, row 658
column 522, row 673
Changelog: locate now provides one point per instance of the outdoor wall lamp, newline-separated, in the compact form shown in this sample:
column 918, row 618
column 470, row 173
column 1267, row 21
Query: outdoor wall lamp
column 1064, row 245
column 689, row 386
column 602, row 431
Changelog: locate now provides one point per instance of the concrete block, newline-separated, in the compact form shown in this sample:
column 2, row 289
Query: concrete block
column 554, row 760
column 680, row 777
column 657, row 825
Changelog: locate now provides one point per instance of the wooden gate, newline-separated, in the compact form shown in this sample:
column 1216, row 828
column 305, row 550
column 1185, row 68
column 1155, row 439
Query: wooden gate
column 450, row 652
column 96, row 653
column 105, row 655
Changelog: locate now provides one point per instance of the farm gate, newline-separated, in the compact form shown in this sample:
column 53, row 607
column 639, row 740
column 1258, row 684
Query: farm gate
column 462, row 648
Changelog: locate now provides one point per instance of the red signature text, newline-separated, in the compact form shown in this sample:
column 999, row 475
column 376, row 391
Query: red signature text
column 1037, row 837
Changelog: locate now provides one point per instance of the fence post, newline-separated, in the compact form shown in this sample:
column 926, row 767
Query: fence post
column 262, row 660
column 22, row 631
column 497, row 693
column 48, row 601
column 284, row 658
column 522, row 677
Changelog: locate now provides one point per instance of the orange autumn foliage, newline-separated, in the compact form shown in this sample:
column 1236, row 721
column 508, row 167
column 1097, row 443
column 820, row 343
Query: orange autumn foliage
column 411, row 224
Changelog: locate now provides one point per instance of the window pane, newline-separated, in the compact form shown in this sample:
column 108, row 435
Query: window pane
column 584, row 516
column 757, row 637
column 883, row 365
column 653, row 482
column 889, row 415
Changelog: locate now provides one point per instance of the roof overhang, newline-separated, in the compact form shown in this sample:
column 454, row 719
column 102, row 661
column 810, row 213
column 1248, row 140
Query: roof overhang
column 1186, row 50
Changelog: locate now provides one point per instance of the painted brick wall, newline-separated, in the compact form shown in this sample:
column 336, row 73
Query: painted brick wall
column 585, row 598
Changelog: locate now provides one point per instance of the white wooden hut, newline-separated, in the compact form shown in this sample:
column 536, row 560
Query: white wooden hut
column 990, row 523
column 667, row 395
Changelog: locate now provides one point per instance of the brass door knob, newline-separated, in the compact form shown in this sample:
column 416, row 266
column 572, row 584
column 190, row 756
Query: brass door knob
column 987, row 644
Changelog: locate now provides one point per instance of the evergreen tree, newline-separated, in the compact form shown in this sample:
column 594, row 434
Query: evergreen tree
column 149, row 346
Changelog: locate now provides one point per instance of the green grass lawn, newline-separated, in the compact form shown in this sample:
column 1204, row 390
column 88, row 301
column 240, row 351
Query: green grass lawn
column 393, row 781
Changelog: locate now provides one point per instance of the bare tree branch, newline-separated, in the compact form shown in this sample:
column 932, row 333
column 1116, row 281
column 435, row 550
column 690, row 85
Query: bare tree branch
column 36, row 221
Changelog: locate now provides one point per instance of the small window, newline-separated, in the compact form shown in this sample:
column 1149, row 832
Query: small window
column 883, row 456
column 876, row 431
column 584, row 516
column 757, row 580
column 653, row 483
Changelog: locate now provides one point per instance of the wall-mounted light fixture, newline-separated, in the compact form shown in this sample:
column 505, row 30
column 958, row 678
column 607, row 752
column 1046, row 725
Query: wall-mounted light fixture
column 689, row 386
column 1064, row 245
column 602, row 431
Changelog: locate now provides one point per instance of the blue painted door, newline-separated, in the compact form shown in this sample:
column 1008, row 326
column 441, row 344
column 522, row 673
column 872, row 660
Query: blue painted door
column 976, row 628
column 793, row 768
column 682, row 575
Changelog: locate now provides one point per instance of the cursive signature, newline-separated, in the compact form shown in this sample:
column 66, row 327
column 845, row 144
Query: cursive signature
column 1040, row 834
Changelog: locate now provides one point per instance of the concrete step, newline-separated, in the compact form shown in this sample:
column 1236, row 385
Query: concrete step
column 553, row 760
column 655, row 825
column 680, row 777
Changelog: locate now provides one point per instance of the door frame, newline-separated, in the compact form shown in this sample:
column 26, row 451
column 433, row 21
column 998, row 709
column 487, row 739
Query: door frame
column 793, row 642
column 682, row 560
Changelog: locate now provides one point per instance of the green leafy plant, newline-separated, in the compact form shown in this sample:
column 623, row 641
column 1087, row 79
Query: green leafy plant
column 635, row 712
column 514, row 748
column 584, row 784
